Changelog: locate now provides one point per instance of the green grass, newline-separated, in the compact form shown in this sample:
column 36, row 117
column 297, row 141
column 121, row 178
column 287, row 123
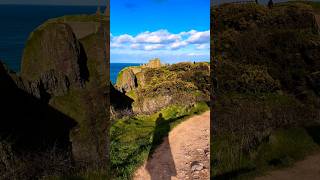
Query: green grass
column 71, row 104
column 282, row 149
column 132, row 94
column 132, row 138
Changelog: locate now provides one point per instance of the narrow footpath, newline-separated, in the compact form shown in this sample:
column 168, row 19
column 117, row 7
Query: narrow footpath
column 184, row 154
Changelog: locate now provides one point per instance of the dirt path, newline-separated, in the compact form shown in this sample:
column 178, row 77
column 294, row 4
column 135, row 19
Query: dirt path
column 184, row 154
column 308, row 169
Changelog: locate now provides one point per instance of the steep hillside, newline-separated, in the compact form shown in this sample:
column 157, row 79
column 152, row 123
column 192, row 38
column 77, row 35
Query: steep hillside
column 70, row 76
column 266, row 74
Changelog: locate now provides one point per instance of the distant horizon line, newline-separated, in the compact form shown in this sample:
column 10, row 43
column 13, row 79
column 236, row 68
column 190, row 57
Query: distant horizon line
column 147, row 62
column 18, row 4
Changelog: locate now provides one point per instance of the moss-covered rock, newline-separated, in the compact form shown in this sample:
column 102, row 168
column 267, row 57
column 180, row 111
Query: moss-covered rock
column 155, row 88
column 54, row 56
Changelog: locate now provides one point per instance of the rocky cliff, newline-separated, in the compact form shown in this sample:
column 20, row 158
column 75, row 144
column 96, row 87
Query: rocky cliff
column 68, row 76
column 153, row 88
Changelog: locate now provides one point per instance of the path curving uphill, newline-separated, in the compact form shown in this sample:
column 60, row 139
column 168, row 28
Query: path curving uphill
column 184, row 154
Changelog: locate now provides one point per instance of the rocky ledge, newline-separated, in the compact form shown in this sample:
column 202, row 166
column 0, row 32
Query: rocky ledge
column 154, row 85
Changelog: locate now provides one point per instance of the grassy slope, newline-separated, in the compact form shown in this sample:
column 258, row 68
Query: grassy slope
column 284, row 147
column 132, row 137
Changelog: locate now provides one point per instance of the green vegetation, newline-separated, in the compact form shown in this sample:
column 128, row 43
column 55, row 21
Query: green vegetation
column 282, row 149
column 131, row 137
column 266, row 94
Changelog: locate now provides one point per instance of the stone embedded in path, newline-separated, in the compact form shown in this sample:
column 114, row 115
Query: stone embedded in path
column 196, row 166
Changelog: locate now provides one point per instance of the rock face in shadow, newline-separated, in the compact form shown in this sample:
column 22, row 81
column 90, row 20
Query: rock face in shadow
column 121, row 101
column 29, row 127
column 63, row 79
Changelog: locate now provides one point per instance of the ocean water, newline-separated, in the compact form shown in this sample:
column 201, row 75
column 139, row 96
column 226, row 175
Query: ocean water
column 18, row 21
column 115, row 68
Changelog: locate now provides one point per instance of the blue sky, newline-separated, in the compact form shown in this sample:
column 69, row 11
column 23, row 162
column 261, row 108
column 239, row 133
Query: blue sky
column 172, row 30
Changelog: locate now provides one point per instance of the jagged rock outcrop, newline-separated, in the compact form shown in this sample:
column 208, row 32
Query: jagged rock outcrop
column 155, row 88
column 127, row 80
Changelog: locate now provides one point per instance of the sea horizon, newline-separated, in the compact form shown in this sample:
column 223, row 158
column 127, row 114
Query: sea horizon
column 18, row 21
column 66, row 5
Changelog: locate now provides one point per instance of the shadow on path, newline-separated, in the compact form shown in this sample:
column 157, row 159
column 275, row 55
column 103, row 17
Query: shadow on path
column 160, row 164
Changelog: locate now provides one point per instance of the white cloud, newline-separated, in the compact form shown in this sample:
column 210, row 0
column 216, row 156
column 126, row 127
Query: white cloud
column 203, row 46
column 160, row 36
column 153, row 47
column 162, row 40
column 196, row 54
column 136, row 46
column 178, row 45
column 125, row 38
column 199, row 37
column 115, row 45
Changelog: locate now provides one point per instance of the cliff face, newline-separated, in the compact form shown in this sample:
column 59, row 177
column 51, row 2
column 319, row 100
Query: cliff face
column 153, row 88
column 70, row 76
column 54, row 52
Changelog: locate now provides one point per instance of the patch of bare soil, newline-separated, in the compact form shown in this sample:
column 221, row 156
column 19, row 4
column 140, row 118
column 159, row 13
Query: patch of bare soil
column 184, row 154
